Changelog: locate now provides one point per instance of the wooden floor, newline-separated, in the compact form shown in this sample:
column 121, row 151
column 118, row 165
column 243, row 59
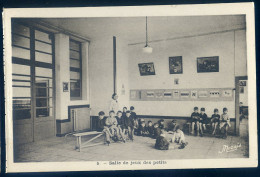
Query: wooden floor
column 60, row 149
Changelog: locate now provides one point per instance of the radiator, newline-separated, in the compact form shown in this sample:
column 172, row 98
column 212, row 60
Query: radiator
column 80, row 118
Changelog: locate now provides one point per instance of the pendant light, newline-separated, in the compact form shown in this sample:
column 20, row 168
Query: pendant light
column 147, row 48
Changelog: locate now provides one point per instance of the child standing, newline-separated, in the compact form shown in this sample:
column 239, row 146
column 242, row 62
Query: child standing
column 195, row 116
column 161, row 142
column 124, row 111
column 134, row 117
column 178, row 137
column 224, row 123
column 129, row 124
column 215, row 121
column 121, row 125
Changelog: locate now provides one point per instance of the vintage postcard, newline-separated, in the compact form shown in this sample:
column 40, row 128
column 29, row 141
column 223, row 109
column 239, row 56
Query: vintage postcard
column 129, row 88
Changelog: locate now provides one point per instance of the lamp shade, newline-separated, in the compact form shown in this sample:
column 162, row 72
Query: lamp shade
column 147, row 49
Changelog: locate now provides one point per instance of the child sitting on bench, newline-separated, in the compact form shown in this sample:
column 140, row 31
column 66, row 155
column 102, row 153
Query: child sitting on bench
column 224, row 123
column 215, row 121
column 101, row 126
column 195, row 116
column 111, row 123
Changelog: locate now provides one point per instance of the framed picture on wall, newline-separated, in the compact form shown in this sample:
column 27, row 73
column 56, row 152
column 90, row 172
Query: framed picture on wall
column 146, row 69
column 65, row 86
column 208, row 64
column 175, row 65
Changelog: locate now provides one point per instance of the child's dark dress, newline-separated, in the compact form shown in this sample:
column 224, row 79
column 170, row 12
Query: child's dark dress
column 161, row 143
column 157, row 132
column 204, row 119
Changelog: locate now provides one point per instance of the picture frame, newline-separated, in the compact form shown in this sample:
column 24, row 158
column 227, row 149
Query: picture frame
column 242, row 83
column 207, row 64
column 146, row 69
column 175, row 65
column 65, row 86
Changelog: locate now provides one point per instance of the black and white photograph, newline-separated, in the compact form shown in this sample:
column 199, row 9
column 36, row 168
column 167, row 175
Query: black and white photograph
column 146, row 69
column 208, row 64
column 78, row 100
column 175, row 65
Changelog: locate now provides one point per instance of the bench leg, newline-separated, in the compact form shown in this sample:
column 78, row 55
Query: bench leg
column 79, row 143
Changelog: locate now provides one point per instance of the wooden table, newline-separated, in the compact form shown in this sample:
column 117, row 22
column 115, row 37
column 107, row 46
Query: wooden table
column 80, row 145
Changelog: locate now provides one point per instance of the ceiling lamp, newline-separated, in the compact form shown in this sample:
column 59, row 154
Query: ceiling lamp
column 147, row 48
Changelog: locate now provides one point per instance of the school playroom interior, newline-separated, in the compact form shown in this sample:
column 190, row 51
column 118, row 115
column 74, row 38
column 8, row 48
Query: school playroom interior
column 66, row 70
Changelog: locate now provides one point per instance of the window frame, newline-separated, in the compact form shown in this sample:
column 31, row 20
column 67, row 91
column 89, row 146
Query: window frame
column 74, row 69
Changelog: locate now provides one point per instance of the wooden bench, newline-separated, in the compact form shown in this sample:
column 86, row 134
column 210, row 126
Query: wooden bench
column 80, row 145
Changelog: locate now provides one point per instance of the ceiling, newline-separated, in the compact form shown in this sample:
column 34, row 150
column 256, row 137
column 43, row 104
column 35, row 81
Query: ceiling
column 132, row 29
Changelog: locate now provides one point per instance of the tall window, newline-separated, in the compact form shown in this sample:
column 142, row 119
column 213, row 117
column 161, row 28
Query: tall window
column 33, row 68
column 75, row 70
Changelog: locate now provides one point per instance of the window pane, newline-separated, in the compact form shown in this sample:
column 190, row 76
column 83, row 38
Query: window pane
column 75, row 63
column 21, row 92
column 20, row 29
column 20, row 41
column 21, row 69
column 22, row 114
column 74, row 75
column 43, row 102
column 43, row 47
column 42, row 36
column 75, row 89
column 22, row 108
column 43, row 57
column 74, row 46
column 22, row 103
column 45, row 72
column 22, row 77
column 21, row 53
column 43, row 80
column 44, row 112
column 74, row 54
column 18, row 83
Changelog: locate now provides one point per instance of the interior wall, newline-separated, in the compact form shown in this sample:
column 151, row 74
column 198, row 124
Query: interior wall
column 220, row 44
column 62, row 74
column 101, row 73
column 122, row 73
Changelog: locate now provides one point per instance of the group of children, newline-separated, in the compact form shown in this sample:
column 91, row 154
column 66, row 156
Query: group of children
column 117, row 126
column 125, row 124
column 219, row 124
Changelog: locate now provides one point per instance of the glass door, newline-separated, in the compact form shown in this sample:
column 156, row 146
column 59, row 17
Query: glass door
column 33, row 71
